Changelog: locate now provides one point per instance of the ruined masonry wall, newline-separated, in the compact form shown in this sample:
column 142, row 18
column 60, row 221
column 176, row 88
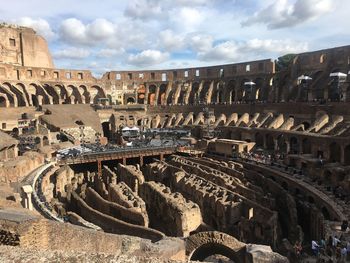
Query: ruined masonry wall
column 110, row 224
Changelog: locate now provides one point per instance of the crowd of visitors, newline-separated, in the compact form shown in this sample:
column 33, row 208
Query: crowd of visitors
column 333, row 250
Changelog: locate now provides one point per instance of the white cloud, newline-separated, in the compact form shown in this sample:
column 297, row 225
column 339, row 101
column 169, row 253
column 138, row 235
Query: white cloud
column 170, row 41
column 74, row 31
column 100, row 29
column 187, row 19
column 143, row 9
column 108, row 52
column 41, row 26
column 282, row 14
column 232, row 51
column 72, row 53
column 147, row 58
column 200, row 42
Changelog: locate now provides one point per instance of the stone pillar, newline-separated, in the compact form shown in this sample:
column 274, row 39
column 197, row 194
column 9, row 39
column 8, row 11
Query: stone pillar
column 27, row 189
column 275, row 143
column 342, row 154
column 287, row 146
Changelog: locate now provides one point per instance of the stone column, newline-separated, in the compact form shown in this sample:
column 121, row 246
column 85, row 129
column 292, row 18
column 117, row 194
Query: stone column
column 275, row 143
column 342, row 154
column 287, row 147
column 27, row 189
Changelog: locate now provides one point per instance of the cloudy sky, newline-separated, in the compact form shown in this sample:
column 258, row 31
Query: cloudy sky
column 151, row 34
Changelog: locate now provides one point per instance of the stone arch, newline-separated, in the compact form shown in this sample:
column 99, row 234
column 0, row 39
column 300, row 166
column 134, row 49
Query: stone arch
column 242, row 94
column 4, row 89
column 325, row 213
column 259, row 140
column 334, row 152
column 317, row 90
column 170, row 97
column 39, row 95
column 204, row 244
column 53, row 93
column 306, row 146
column 347, row 155
column 18, row 93
column 141, row 91
column 62, row 93
column 130, row 100
column 281, row 144
column 84, row 93
column 74, row 94
column 22, row 89
column 204, row 92
column 97, row 93
column 294, row 145
column 161, row 94
column 230, row 91
column 269, row 142
column 151, row 100
column 261, row 91
column 4, row 102
column 193, row 94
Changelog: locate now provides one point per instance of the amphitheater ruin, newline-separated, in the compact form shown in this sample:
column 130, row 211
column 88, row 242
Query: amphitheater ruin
column 229, row 163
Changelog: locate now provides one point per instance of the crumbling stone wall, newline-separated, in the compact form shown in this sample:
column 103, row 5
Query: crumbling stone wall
column 131, row 176
column 131, row 215
column 121, row 194
column 109, row 223
column 16, row 169
column 170, row 209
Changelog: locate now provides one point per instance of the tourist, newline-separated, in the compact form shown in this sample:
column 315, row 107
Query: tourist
column 335, row 241
column 298, row 249
column 323, row 245
column 315, row 247
column 343, row 254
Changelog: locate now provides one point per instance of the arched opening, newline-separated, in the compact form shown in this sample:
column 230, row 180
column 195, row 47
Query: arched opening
column 326, row 214
column 294, row 145
column 35, row 100
column 347, row 155
column 18, row 93
column 204, row 93
column 52, row 92
column 193, row 94
column 152, row 94
column 170, row 97
column 261, row 90
column 45, row 141
column 231, row 92
column 209, row 249
column 269, row 142
column 161, row 95
column 317, row 87
column 130, row 100
column 141, row 94
column 282, row 145
column 106, row 129
column 85, row 94
column 15, row 132
column 37, row 140
column 75, row 92
column 3, row 101
column 99, row 94
column 306, row 146
column 334, row 152
column 285, row 186
column 259, row 140
column 306, row 125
